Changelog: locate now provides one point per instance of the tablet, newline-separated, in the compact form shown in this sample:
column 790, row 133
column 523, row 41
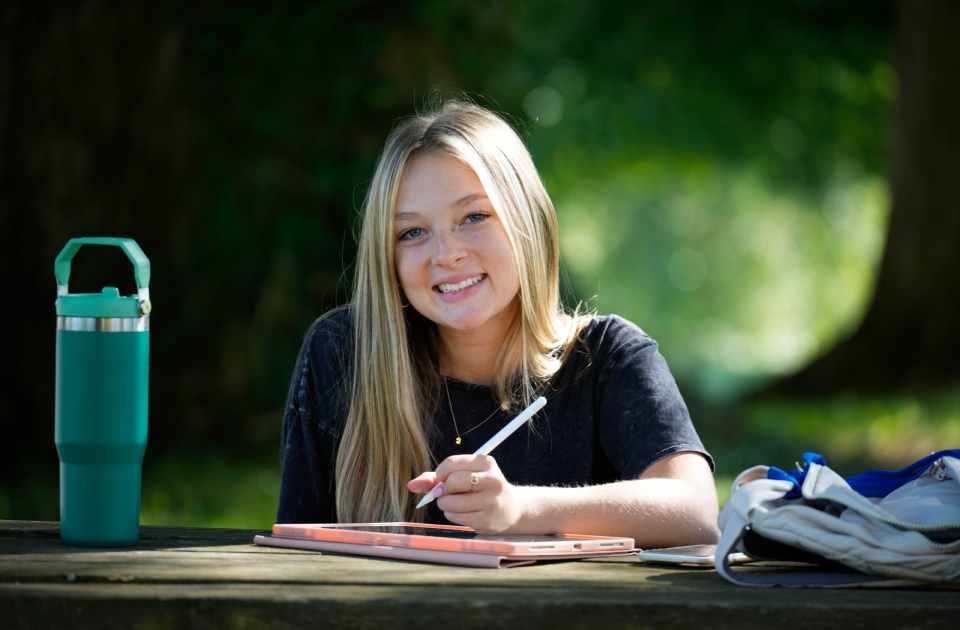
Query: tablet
column 450, row 538
column 691, row 556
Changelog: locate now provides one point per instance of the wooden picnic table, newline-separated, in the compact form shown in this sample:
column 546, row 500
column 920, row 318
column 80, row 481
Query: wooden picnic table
column 205, row 578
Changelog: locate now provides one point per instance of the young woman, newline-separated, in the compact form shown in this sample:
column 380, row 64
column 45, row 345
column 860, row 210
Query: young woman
column 456, row 325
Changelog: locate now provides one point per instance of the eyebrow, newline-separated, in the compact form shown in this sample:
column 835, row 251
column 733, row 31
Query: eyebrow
column 463, row 201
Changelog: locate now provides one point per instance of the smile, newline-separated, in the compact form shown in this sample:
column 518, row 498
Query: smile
column 460, row 286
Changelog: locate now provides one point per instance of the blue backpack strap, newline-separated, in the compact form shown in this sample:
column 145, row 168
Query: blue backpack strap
column 873, row 483
column 880, row 483
column 795, row 476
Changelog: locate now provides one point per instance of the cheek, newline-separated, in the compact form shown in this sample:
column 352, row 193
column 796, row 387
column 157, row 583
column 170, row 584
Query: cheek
column 506, row 266
column 402, row 266
column 512, row 286
column 409, row 271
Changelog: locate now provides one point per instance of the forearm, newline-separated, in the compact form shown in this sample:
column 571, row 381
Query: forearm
column 673, row 503
column 654, row 512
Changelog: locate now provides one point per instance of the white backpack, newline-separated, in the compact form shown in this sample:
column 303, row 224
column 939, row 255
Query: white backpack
column 902, row 525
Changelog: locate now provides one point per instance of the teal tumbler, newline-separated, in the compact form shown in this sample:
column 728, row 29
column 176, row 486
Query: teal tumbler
column 103, row 352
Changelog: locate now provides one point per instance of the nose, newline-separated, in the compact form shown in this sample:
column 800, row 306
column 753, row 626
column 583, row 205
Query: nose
column 448, row 250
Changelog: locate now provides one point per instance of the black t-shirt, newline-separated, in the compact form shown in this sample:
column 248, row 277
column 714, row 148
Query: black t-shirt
column 613, row 409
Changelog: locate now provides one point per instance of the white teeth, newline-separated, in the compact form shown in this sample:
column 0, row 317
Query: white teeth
column 453, row 288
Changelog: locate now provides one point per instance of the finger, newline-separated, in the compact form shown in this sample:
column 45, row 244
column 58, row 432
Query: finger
column 423, row 484
column 465, row 519
column 462, row 481
column 465, row 502
column 470, row 463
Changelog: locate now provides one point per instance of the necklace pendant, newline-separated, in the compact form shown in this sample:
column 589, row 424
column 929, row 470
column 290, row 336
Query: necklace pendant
column 458, row 440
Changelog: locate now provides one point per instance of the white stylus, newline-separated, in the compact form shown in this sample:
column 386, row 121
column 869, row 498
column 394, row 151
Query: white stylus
column 495, row 441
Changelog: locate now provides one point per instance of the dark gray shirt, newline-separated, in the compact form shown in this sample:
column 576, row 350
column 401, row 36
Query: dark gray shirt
column 613, row 409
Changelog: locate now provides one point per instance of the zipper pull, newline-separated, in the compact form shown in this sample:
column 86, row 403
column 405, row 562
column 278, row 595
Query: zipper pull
column 939, row 470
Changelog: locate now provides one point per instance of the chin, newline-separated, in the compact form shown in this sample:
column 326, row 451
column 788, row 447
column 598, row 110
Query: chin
column 463, row 326
column 465, row 322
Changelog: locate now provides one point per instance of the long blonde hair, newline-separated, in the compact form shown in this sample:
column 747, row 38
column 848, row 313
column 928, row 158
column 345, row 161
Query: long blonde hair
column 395, row 380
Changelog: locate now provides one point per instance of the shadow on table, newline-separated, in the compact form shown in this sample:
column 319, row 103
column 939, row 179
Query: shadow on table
column 151, row 537
column 696, row 577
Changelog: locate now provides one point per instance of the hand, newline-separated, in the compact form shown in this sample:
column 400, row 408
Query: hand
column 490, row 506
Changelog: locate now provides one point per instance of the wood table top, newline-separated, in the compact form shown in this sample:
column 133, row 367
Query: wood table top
column 191, row 577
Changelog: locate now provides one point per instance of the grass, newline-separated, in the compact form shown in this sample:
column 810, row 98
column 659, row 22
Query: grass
column 210, row 491
column 214, row 489
column 893, row 430
column 853, row 434
column 181, row 488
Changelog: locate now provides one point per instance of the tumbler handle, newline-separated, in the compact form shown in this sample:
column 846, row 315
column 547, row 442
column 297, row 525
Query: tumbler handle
column 141, row 265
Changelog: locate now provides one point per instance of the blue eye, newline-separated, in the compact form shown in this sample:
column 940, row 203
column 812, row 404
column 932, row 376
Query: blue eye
column 476, row 217
column 410, row 234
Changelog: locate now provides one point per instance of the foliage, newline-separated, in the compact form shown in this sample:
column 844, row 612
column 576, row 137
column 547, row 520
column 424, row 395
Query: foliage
column 719, row 183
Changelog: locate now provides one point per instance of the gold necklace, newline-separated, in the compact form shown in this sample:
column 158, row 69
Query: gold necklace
column 446, row 386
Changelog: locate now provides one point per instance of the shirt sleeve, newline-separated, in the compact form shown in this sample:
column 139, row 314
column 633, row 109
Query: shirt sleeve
column 311, row 429
column 642, row 415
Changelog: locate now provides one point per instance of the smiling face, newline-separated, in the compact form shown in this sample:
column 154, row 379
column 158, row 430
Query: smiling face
column 452, row 255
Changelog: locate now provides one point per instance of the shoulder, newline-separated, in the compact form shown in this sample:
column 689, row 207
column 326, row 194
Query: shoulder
column 322, row 375
column 611, row 335
column 332, row 325
column 330, row 335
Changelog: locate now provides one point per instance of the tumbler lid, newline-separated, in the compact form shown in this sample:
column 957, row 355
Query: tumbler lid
column 107, row 303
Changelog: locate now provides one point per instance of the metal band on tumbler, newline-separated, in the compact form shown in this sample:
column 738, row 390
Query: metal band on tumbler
column 104, row 324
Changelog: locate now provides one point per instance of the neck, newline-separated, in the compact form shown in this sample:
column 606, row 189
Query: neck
column 471, row 355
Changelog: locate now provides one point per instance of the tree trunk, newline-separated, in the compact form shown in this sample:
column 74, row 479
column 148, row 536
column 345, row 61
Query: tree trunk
column 910, row 337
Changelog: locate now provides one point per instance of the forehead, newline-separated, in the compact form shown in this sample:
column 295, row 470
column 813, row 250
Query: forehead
column 434, row 182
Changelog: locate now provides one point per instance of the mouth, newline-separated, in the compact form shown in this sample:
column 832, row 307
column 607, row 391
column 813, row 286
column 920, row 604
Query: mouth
column 447, row 288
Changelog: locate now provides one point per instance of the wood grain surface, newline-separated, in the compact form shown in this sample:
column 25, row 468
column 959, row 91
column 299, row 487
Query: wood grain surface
column 216, row 578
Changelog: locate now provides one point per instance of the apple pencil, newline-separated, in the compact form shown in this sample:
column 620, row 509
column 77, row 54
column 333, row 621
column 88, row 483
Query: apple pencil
column 495, row 441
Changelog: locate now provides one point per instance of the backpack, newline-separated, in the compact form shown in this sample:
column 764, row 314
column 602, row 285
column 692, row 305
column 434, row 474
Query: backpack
column 889, row 527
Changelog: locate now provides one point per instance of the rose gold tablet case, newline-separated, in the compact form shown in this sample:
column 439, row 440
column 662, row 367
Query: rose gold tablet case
column 436, row 556
column 561, row 543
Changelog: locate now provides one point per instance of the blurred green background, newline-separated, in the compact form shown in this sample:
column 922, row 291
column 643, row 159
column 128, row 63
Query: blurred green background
column 719, row 169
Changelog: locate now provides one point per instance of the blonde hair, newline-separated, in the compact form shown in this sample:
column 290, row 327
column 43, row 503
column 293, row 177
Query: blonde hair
column 395, row 380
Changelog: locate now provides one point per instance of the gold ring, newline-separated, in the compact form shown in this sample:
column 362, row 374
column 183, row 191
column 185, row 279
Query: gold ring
column 474, row 479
